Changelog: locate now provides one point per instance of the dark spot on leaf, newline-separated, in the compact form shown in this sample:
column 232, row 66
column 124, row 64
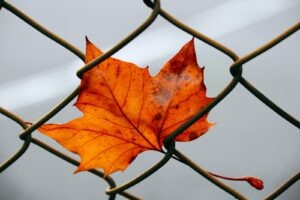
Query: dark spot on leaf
column 177, row 106
column 157, row 117
column 118, row 132
column 193, row 135
column 176, row 67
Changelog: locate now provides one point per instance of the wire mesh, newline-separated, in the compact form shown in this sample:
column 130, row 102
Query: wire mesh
column 237, row 78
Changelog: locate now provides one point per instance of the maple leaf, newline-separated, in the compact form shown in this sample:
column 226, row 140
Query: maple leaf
column 126, row 111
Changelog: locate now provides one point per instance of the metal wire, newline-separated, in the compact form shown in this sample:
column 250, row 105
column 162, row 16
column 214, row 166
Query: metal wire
column 235, row 69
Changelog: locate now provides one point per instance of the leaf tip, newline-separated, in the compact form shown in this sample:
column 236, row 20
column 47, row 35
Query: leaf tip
column 87, row 39
column 79, row 169
column 192, row 42
column 193, row 39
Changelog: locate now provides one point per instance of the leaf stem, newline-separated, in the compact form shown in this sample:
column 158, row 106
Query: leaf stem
column 253, row 181
column 208, row 176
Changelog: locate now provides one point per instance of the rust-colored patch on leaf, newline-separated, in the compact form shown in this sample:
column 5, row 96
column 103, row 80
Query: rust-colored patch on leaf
column 126, row 111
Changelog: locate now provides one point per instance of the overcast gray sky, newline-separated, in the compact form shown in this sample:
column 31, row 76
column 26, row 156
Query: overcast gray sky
column 249, row 139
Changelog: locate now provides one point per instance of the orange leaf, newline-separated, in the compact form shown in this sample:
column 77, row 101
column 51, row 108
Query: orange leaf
column 126, row 111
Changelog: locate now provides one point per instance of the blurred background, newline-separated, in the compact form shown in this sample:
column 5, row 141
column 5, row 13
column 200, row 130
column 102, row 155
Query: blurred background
column 249, row 139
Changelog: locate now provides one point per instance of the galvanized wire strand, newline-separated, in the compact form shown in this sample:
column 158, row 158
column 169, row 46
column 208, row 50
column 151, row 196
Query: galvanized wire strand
column 46, row 147
column 29, row 140
column 235, row 69
column 255, row 91
column 13, row 117
column 98, row 173
column 123, row 42
column 270, row 103
column 25, row 144
column 17, row 155
column 60, row 106
column 130, row 196
column 265, row 47
column 284, row 187
column 109, row 53
column 50, row 114
column 42, row 29
column 27, row 133
column 208, row 107
column 212, row 43
column 146, row 174
column 70, row 97
column 203, row 111
column 198, row 35
column 60, row 41
column 209, row 177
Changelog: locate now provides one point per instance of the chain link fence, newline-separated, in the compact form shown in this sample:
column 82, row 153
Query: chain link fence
column 237, row 78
